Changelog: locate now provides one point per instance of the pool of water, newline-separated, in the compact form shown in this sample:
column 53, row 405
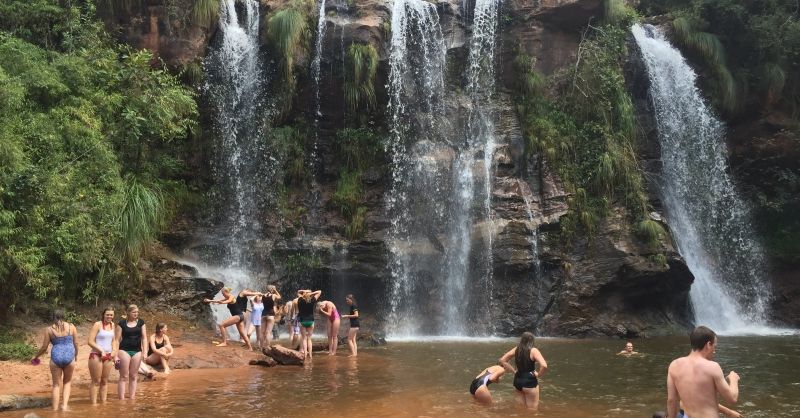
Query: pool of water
column 427, row 379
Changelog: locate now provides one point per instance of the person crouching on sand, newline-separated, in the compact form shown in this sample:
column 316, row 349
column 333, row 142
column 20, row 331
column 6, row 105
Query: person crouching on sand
column 479, row 388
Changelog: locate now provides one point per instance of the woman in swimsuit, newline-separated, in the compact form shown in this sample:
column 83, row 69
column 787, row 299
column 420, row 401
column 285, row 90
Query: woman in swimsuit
column 306, row 301
column 160, row 348
column 328, row 309
column 104, row 345
column 237, row 306
column 526, row 377
column 255, row 318
column 132, row 336
column 292, row 324
column 63, row 356
column 270, row 299
column 479, row 388
column 354, row 324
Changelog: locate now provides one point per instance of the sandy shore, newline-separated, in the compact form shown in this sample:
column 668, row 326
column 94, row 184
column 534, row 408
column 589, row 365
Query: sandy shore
column 193, row 350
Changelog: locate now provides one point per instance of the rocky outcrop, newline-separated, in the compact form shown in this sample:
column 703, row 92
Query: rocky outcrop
column 14, row 402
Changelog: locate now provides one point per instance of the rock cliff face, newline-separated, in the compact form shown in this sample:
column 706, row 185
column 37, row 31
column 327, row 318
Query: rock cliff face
column 606, row 285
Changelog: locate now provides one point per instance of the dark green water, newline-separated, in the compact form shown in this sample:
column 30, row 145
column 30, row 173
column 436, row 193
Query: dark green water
column 431, row 379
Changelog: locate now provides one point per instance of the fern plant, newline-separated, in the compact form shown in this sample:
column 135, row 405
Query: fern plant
column 141, row 219
column 205, row 12
column 359, row 84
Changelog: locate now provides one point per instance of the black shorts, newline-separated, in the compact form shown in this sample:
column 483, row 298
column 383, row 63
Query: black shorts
column 525, row 380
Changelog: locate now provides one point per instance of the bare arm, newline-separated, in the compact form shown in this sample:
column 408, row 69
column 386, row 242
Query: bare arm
column 730, row 413
column 115, row 344
column 223, row 301
column 673, row 399
column 45, row 344
column 326, row 312
column 729, row 393
column 117, row 337
column 354, row 315
column 74, row 340
column 277, row 296
column 250, row 293
column 537, row 356
column 92, row 335
column 506, row 357
column 168, row 350
column 144, row 339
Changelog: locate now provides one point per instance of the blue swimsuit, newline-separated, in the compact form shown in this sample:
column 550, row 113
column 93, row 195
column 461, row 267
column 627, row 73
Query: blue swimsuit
column 63, row 352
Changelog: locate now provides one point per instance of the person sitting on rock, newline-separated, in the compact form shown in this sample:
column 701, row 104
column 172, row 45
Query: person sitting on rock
column 628, row 350
column 160, row 348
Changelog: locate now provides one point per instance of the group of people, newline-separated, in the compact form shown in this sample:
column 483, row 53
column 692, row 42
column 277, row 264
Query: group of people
column 124, row 345
column 693, row 381
column 262, row 310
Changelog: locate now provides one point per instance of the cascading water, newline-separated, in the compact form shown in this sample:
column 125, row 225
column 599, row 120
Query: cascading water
column 533, row 239
column 433, row 192
column 316, row 67
column 235, row 85
column 416, row 85
column 709, row 222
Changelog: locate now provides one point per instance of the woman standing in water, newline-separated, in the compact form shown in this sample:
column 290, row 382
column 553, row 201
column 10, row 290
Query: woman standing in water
column 329, row 309
column 132, row 336
column 63, row 356
column 292, row 324
column 103, row 342
column 306, row 301
column 236, row 306
column 354, row 324
column 526, row 377
column 160, row 348
column 270, row 299
column 479, row 388
column 255, row 318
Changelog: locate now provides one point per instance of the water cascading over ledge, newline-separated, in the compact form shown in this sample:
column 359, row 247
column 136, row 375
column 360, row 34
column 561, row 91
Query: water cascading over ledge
column 235, row 88
column 441, row 185
column 709, row 222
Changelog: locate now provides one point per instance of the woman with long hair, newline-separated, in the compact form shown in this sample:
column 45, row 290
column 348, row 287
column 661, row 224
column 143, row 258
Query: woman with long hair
column 354, row 324
column 270, row 299
column 160, row 348
column 236, row 305
column 132, row 336
column 306, row 301
column 526, row 377
column 328, row 309
column 104, row 344
column 63, row 356
column 479, row 388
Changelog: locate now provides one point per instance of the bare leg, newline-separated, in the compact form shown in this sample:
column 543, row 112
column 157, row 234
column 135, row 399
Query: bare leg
column 269, row 322
column 165, row 364
column 483, row 396
column 67, row 384
column 307, row 340
column 240, row 328
column 259, row 336
column 335, row 335
column 224, row 324
column 531, row 396
column 96, row 371
column 351, row 341
column 136, row 360
column 124, row 366
column 103, row 389
column 56, row 374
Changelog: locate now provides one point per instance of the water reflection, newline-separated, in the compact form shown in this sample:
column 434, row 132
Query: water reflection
column 586, row 379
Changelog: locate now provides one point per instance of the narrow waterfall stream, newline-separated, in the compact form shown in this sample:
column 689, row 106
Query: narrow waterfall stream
column 235, row 87
column 709, row 222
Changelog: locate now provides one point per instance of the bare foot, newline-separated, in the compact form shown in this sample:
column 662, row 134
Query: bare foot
column 167, row 371
column 222, row 345
column 65, row 408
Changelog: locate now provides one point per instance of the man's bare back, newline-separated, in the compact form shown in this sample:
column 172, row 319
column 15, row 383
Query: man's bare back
column 696, row 379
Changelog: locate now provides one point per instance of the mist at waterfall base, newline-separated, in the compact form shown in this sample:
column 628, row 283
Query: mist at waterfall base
column 710, row 224
column 440, row 196
column 236, row 87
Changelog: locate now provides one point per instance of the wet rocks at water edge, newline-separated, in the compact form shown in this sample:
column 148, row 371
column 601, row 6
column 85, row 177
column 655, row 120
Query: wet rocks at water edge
column 283, row 356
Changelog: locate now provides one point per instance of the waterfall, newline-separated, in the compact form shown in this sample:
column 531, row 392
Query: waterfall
column 316, row 66
column 416, row 87
column 709, row 222
column 235, row 84
column 533, row 239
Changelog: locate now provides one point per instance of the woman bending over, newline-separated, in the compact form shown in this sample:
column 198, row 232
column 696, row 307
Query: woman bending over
column 479, row 388
column 328, row 309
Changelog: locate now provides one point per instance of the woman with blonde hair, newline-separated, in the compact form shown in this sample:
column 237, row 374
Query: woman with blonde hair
column 104, row 344
column 306, row 301
column 63, row 356
column 160, row 348
column 270, row 300
column 236, row 305
column 526, row 377
column 132, row 336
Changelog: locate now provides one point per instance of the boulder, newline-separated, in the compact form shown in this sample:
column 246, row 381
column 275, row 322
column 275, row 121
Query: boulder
column 264, row 361
column 14, row 402
column 284, row 356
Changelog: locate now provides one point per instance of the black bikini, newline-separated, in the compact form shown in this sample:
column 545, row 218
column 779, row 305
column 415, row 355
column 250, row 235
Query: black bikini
column 237, row 308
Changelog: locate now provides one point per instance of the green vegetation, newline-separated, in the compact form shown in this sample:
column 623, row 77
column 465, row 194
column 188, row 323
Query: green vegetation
column 361, row 65
column 13, row 345
column 288, row 31
column 588, row 135
column 89, row 133
column 205, row 12
column 745, row 47
column 290, row 143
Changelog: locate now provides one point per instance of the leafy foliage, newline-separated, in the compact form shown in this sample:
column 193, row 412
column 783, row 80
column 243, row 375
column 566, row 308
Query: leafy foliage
column 361, row 65
column 288, row 32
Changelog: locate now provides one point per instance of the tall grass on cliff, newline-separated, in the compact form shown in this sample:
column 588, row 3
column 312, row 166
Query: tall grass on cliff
column 141, row 219
column 288, row 32
column 205, row 12
column 361, row 66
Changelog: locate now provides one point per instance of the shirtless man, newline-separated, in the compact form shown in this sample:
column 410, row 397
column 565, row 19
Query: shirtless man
column 628, row 351
column 696, row 379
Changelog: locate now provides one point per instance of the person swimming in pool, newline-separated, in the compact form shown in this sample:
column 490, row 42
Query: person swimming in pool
column 479, row 388
column 306, row 301
column 63, row 357
column 526, row 377
column 628, row 350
